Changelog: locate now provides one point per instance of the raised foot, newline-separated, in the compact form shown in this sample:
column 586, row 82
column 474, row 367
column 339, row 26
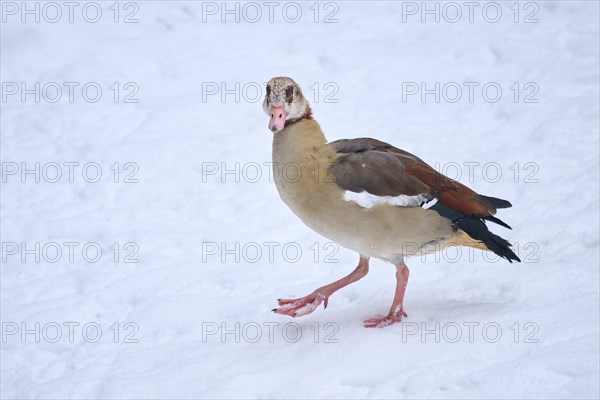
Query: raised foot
column 302, row 306
column 382, row 322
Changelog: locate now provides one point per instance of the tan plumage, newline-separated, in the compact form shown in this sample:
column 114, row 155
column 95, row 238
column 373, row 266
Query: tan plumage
column 384, row 232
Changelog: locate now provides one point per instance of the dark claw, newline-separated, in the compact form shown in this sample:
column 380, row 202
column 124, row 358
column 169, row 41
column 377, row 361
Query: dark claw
column 274, row 310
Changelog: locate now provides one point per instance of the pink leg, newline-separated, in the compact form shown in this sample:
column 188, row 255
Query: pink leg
column 397, row 310
column 307, row 304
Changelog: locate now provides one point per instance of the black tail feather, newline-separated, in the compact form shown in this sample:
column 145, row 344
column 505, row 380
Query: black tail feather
column 476, row 228
column 497, row 221
column 494, row 202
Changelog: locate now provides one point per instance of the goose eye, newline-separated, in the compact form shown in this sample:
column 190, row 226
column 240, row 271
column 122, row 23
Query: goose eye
column 289, row 94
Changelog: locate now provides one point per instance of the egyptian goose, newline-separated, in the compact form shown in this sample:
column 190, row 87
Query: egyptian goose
column 370, row 197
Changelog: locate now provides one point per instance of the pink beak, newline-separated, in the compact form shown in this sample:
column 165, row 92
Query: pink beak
column 277, row 121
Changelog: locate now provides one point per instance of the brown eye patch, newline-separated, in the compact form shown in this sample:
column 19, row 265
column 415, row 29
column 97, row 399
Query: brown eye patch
column 268, row 91
column 289, row 94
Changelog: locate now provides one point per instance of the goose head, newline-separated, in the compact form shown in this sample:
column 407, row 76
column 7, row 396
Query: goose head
column 284, row 102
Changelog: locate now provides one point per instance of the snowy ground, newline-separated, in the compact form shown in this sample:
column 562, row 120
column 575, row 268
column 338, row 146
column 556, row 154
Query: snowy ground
column 190, row 318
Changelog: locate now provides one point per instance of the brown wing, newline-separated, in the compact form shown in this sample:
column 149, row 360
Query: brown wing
column 381, row 169
column 378, row 173
column 361, row 145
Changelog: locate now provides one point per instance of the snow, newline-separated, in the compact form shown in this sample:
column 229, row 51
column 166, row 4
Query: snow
column 216, row 246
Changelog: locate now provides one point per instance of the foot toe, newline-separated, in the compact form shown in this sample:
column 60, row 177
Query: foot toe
column 299, row 307
column 283, row 302
column 382, row 322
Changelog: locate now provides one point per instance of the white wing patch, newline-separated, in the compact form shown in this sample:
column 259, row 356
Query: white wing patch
column 368, row 200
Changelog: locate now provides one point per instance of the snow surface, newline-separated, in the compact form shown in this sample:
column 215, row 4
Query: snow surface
column 185, row 289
